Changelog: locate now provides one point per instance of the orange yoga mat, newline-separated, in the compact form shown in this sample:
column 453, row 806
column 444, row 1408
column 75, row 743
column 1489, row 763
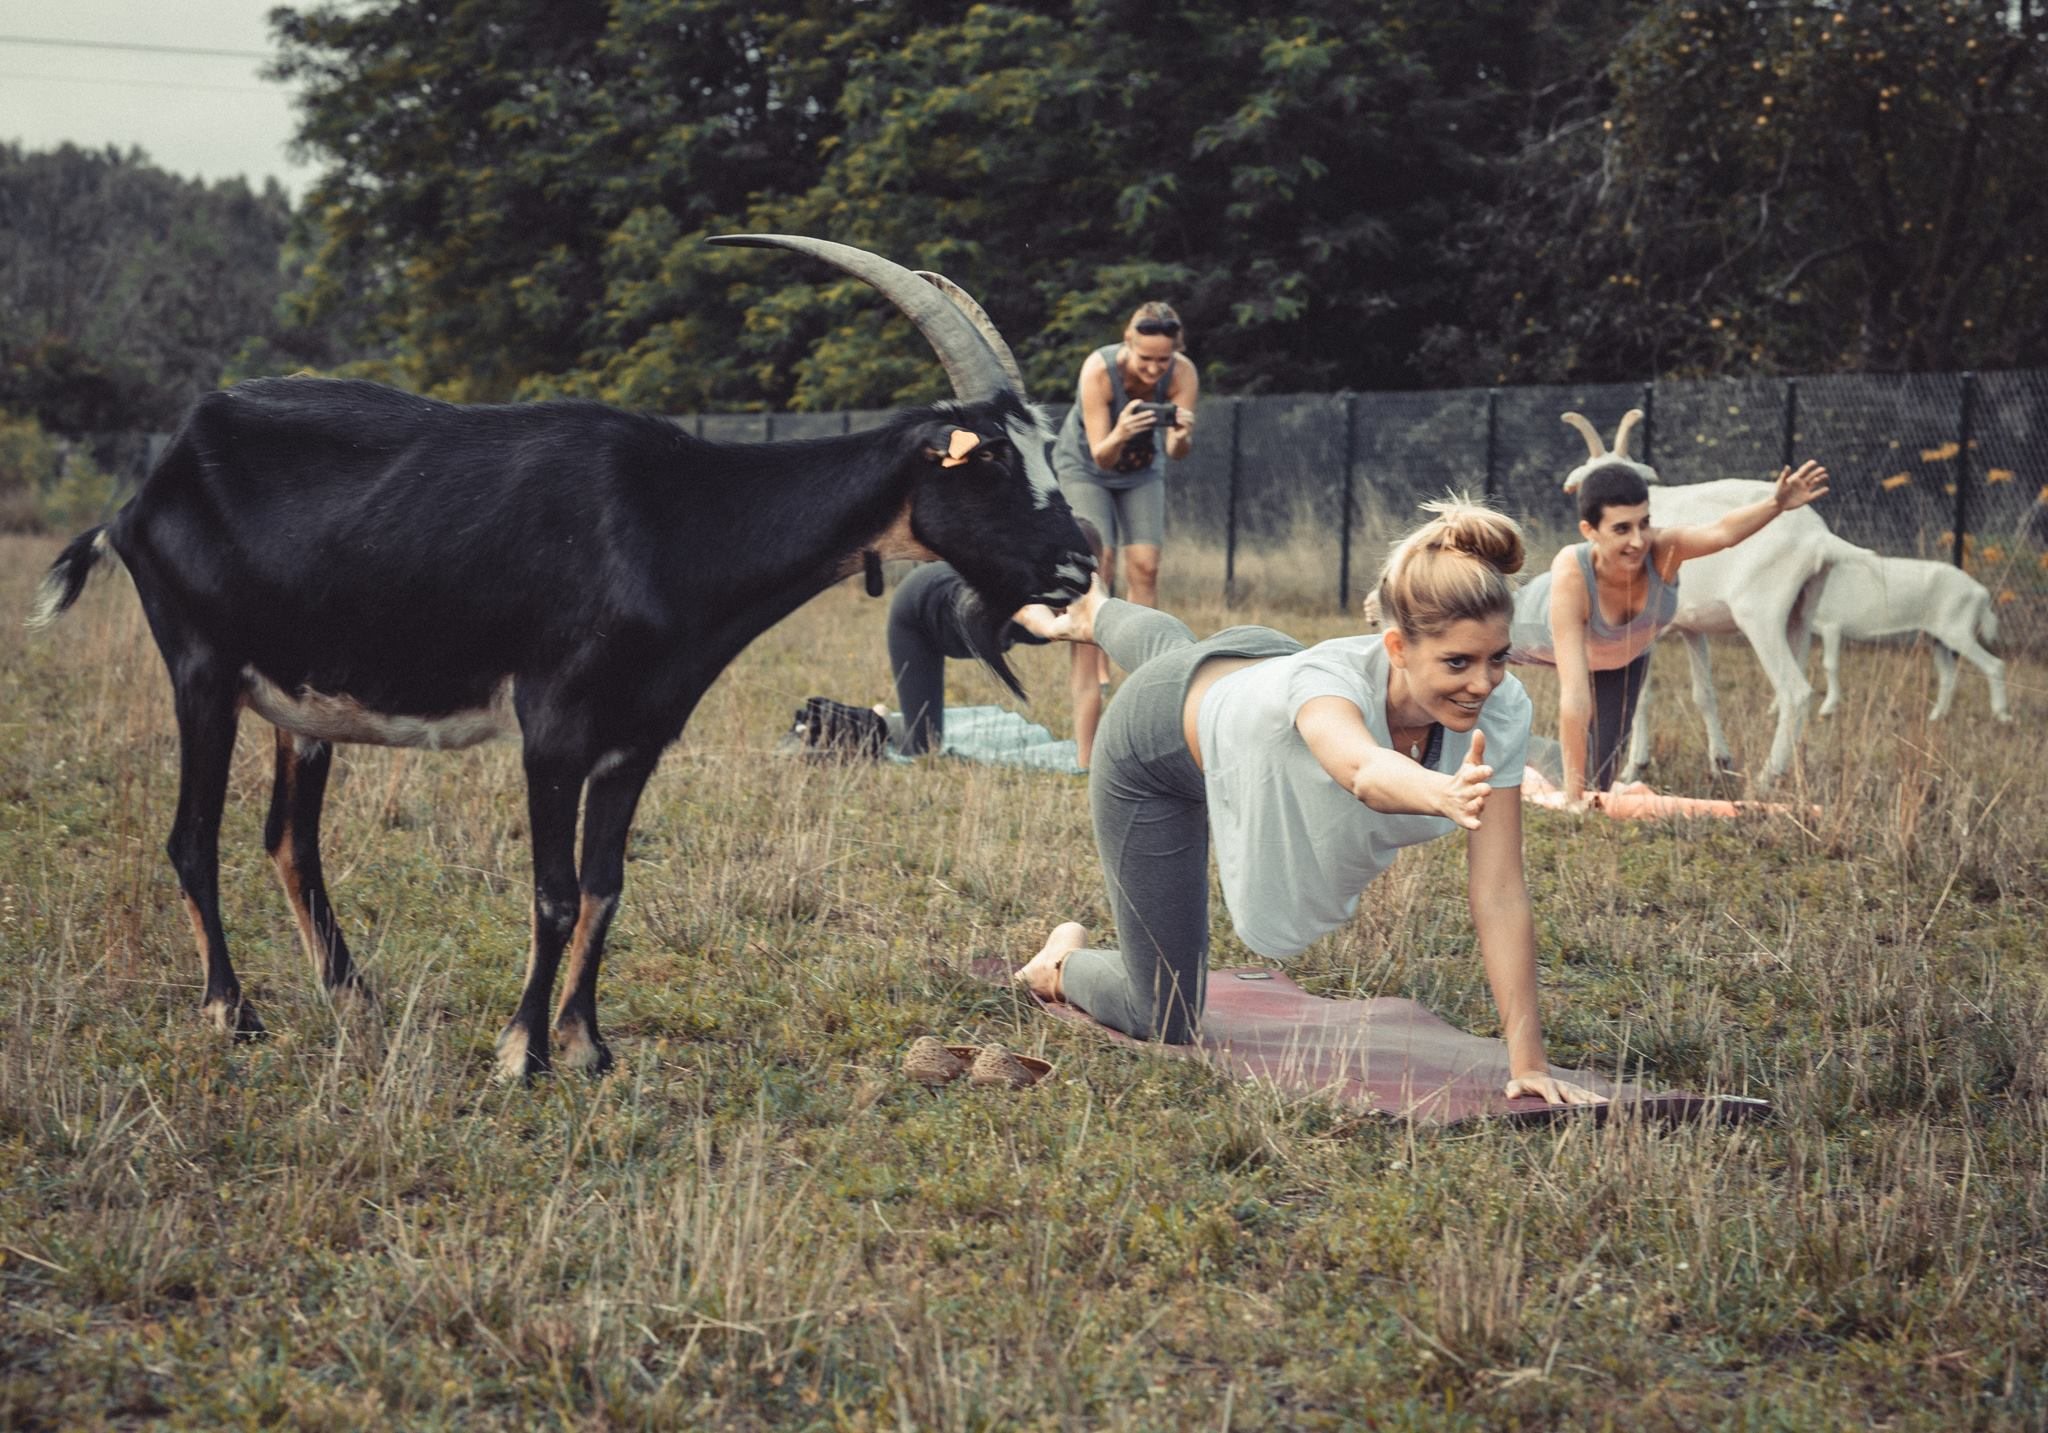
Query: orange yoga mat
column 1635, row 801
column 1385, row 1055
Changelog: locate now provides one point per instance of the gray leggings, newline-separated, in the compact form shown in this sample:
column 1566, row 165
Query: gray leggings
column 1151, row 815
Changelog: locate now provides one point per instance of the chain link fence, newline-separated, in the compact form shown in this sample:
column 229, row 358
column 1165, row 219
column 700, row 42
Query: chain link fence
column 1293, row 497
column 1299, row 493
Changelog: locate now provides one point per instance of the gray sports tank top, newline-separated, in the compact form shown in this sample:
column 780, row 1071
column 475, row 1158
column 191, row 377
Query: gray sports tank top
column 1608, row 647
column 1070, row 453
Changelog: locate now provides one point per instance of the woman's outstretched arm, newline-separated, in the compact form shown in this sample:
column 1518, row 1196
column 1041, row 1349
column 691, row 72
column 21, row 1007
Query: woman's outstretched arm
column 1506, row 926
column 1793, row 490
column 1337, row 736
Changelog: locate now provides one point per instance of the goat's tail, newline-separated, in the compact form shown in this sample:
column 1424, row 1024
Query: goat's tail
column 67, row 575
column 1987, row 620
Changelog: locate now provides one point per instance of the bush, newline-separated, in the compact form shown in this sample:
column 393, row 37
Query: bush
column 28, row 464
column 47, row 485
column 81, row 494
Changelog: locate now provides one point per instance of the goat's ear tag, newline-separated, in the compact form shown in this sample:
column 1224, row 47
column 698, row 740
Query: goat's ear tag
column 958, row 447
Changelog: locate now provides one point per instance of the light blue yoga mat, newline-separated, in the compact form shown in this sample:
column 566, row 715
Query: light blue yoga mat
column 996, row 736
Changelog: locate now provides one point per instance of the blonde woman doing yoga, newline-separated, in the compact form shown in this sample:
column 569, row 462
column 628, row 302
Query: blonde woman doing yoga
column 1313, row 766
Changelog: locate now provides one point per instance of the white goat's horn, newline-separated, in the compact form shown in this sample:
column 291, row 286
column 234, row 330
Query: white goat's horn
column 984, row 325
column 1594, row 447
column 967, row 358
column 1628, row 426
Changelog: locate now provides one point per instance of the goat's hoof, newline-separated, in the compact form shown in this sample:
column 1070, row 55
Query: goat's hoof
column 519, row 1057
column 576, row 1049
column 233, row 1016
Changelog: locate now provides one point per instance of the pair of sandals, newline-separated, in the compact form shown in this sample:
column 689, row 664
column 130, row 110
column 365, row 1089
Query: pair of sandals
column 930, row 1061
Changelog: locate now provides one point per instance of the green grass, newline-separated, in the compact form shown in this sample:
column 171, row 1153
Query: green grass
column 754, row 1221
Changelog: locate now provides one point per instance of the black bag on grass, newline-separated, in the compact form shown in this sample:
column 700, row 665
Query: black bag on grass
column 829, row 729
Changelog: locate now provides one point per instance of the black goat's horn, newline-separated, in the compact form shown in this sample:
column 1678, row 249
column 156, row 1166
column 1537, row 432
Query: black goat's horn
column 983, row 324
column 976, row 371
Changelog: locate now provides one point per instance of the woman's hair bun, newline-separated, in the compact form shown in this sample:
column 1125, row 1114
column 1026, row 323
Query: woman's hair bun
column 1453, row 568
column 1462, row 525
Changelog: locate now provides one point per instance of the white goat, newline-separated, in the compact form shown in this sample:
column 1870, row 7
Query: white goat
column 1764, row 588
column 1871, row 597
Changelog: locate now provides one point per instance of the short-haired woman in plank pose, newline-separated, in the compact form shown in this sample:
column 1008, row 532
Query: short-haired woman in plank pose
column 1594, row 614
column 1314, row 766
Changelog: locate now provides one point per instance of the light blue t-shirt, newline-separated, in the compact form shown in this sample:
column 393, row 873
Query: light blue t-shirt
column 1295, row 849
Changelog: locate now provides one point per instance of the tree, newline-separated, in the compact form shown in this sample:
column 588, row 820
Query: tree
column 1787, row 188
column 127, row 288
column 522, row 189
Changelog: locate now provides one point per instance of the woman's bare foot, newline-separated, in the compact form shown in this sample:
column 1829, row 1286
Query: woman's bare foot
column 1073, row 623
column 1041, row 973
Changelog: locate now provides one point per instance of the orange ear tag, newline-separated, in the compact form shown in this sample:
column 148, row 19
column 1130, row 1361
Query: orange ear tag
column 958, row 447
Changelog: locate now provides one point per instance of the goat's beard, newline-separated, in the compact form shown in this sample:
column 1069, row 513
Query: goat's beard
column 983, row 626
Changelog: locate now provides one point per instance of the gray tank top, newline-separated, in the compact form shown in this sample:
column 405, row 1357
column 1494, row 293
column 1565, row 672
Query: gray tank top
column 1608, row 648
column 1070, row 454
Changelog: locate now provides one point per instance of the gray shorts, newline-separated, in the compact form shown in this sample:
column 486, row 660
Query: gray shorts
column 1126, row 517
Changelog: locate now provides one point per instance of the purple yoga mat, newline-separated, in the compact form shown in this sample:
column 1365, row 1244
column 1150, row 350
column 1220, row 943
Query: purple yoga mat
column 1385, row 1055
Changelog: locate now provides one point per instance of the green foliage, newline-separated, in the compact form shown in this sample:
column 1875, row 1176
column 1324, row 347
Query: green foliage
column 521, row 190
column 47, row 485
column 127, row 288
column 517, row 193
column 1771, row 189
column 28, row 463
column 82, row 494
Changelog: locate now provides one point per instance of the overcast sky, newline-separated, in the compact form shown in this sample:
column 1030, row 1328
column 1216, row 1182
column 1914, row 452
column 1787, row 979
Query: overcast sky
column 210, row 116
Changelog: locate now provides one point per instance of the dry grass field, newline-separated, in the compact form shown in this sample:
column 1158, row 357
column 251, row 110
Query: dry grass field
column 754, row 1221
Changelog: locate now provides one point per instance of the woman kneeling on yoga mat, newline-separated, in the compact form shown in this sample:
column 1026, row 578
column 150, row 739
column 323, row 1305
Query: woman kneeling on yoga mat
column 1314, row 766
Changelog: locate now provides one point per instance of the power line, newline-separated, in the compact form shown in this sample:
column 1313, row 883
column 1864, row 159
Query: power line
column 139, row 84
column 139, row 49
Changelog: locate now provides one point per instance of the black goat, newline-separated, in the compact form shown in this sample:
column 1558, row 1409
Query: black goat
column 354, row 563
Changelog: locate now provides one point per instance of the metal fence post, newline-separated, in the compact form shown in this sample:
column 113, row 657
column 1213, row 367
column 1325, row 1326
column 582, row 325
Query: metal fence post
column 1344, row 531
column 1791, row 418
column 1649, row 422
column 1492, row 442
column 1969, row 403
column 1230, row 511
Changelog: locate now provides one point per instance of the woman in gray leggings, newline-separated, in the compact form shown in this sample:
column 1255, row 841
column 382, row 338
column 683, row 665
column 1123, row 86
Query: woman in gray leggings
column 1314, row 767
